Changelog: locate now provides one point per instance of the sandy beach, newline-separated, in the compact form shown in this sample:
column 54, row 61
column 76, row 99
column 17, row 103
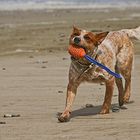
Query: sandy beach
column 34, row 65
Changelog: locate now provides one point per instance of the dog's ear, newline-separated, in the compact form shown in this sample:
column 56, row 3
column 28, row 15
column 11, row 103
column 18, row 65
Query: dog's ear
column 100, row 37
column 75, row 29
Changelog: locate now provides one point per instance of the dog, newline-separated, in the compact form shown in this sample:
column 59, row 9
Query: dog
column 114, row 50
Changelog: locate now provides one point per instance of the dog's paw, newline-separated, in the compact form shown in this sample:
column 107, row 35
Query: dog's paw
column 128, row 102
column 104, row 111
column 121, row 103
column 126, row 98
column 64, row 117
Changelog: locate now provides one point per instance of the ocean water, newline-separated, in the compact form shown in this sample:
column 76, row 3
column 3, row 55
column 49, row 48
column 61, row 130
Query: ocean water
column 64, row 4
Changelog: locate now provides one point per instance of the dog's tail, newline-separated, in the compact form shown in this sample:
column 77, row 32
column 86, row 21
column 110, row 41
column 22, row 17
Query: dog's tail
column 133, row 33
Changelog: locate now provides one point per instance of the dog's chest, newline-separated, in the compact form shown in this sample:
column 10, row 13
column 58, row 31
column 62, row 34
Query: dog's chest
column 95, row 74
column 90, row 74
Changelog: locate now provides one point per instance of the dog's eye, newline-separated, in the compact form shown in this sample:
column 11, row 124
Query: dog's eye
column 86, row 37
column 76, row 34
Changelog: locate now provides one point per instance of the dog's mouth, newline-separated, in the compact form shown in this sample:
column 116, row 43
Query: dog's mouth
column 83, row 47
column 80, row 46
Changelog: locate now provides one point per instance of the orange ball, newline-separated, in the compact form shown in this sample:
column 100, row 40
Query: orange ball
column 76, row 52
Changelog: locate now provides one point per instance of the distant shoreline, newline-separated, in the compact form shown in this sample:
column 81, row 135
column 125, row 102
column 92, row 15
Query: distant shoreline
column 14, row 5
column 96, row 7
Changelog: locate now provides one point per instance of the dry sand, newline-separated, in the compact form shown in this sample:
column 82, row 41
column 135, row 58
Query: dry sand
column 34, row 74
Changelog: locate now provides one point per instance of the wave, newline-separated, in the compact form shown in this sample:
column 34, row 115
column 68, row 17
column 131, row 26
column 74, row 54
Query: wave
column 65, row 4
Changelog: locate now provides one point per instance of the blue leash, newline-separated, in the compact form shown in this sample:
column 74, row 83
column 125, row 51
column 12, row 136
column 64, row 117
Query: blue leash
column 102, row 66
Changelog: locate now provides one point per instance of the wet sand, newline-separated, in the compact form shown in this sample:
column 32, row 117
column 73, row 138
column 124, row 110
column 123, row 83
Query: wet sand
column 34, row 67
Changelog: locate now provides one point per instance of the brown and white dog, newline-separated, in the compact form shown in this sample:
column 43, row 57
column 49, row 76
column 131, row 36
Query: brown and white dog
column 112, row 49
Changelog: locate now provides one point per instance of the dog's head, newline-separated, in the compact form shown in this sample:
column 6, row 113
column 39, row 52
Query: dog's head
column 86, row 40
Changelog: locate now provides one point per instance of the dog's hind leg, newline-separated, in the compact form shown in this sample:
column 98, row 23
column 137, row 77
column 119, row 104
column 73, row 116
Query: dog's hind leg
column 124, row 66
column 126, row 73
column 120, row 90
column 119, row 84
column 127, row 91
column 124, row 92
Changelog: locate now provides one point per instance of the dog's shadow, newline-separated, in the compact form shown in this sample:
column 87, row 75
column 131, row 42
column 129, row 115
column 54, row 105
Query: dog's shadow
column 95, row 110
column 86, row 111
column 92, row 110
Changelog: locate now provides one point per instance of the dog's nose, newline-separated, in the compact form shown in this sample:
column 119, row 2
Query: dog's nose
column 76, row 40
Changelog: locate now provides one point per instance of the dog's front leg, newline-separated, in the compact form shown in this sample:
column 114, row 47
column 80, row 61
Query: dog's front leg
column 108, row 96
column 71, row 93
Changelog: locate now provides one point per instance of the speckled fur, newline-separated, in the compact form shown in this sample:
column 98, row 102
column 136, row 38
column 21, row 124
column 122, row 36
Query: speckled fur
column 116, row 53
